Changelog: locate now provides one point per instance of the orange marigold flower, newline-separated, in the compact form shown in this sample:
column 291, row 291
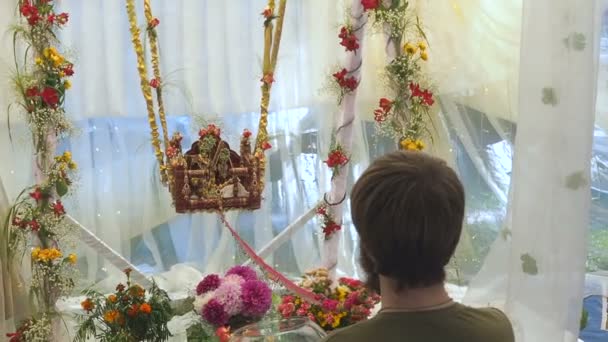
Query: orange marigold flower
column 111, row 316
column 137, row 291
column 145, row 308
column 112, row 298
column 87, row 305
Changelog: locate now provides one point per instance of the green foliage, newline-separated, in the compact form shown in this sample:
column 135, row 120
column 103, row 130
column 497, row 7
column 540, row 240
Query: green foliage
column 584, row 319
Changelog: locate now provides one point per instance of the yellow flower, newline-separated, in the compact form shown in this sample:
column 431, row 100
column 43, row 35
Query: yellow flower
column 424, row 56
column 72, row 259
column 67, row 155
column 35, row 253
column 422, row 46
column 67, row 84
column 72, row 165
column 410, row 49
column 342, row 292
column 38, row 61
column 412, row 145
column 61, row 74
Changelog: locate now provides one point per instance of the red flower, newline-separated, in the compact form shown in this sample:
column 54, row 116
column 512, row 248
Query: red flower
column 37, row 194
column 370, row 4
column 322, row 211
column 68, row 70
column 153, row 23
column 27, row 9
column 379, row 115
column 266, row 146
column 154, row 83
column 336, row 158
column 51, row 18
column 34, row 18
column 223, row 333
column 386, row 104
column 58, row 208
column 62, row 18
column 120, row 287
column 425, row 95
column 34, row 225
column 32, row 92
column 331, row 228
column 50, row 96
column 348, row 39
column 267, row 13
column 339, row 76
column 246, row 133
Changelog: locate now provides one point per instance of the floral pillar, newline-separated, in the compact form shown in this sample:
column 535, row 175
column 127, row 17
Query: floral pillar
column 351, row 38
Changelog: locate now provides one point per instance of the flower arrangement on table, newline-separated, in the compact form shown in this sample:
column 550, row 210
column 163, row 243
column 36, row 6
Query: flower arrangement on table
column 237, row 299
column 346, row 303
column 403, row 116
column 129, row 314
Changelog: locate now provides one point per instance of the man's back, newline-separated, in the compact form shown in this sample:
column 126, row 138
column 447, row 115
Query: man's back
column 457, row 323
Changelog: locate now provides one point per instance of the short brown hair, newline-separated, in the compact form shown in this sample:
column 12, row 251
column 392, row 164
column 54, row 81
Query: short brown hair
column 408, row 209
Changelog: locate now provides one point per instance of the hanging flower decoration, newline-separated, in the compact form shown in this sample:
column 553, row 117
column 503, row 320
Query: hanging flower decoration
column 153, row 23
column 348, row 39
column 343, row 83
column 336, row 159
column 405, row 116
column 329, row 225
column 155, row 83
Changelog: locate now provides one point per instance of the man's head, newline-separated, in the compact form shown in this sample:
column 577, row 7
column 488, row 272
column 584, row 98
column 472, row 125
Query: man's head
column 408, row 209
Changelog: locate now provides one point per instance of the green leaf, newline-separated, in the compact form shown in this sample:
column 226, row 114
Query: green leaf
column 528, row 264
column 576, row 180
column 549, row 96
column 584, row 319
column 62, row 188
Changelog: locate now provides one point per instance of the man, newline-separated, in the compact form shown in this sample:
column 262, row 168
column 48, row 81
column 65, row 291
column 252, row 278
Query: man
column 408, row 209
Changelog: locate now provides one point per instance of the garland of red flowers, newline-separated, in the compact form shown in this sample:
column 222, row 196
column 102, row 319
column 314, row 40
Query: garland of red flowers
column 329, row 225
column 336, row 159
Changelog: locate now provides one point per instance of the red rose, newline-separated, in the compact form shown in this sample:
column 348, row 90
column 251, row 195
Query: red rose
column 379, row 115
column 154, row 83
column 370, row 4
column 267, row 12
column 266, row 146
column 50, row 96
column 34, row 18
column 26, row 9
column 339, row 76
column 62, row 18
column 153, row 23
column 322, row 211
column 246, row 133
column 58, row 208
column 51, row 18
column 348, row 39
column 32, row 92
column 68, row 70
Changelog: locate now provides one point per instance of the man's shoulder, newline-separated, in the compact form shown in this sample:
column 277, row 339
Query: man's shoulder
column 356, row 332
column 487, row 321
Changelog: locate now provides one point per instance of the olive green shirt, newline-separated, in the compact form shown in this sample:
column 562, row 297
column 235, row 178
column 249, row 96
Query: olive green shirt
column 456, row 323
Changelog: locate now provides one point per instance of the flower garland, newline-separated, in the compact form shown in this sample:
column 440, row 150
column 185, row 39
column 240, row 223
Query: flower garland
column 129, row 314
column 38, row 218
column 43, row 80
column 329, row 225
column 403, row 117
column 336, row 159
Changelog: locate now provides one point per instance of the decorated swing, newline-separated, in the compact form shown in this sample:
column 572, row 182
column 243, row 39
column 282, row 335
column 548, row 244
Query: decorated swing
column 210, row 175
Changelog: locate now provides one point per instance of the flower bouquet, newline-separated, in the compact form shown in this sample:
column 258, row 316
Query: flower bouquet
column 237, row 299
column 345, row 304
column 129, row 314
